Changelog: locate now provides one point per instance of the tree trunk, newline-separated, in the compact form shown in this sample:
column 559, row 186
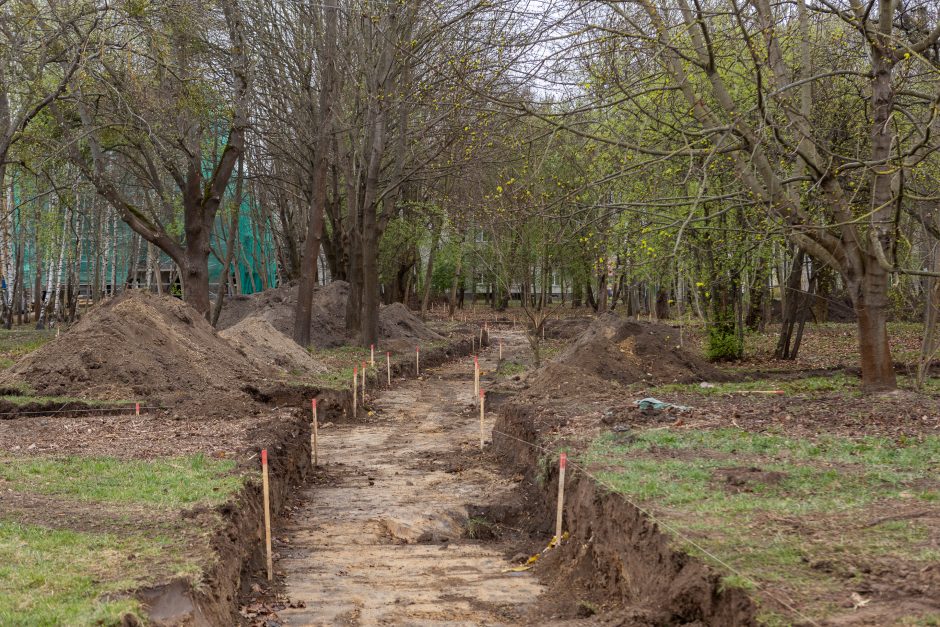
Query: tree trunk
column 790, row 306
column 429, row 271
column 870, row 298
column 230, row 245
column 318, row 194
column 452, row 302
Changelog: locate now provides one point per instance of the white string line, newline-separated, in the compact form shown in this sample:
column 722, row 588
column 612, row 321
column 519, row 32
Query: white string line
column 665, row 525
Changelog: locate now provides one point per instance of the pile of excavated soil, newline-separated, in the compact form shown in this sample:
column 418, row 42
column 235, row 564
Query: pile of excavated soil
column 328, row 319
column 148, row 348
column 267, row 347
column 614, row 349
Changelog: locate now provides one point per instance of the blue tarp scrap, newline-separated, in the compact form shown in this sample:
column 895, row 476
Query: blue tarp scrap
column 658, row 405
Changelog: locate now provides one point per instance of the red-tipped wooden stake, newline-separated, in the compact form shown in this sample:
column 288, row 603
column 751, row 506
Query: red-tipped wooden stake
column 562, row 462
column 313, row 435
column 136, row 409
column 267, row 511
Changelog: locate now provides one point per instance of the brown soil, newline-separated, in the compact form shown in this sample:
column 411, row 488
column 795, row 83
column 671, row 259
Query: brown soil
column 268, row 347
column 617, row 564
column 140, row 346
column 327, row 325
column 613, row 349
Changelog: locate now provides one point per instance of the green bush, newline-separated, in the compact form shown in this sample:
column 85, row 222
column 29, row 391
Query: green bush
column 723, row 343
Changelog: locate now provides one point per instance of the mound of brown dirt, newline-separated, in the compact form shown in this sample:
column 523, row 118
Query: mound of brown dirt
column 328, row 320
column 266, row 346
column 624, row 351
column 143, row 347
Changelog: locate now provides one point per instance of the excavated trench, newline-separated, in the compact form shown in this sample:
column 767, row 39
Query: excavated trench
column 401, row 524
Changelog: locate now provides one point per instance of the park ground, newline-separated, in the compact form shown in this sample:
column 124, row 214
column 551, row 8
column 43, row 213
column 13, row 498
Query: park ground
column 814, row 504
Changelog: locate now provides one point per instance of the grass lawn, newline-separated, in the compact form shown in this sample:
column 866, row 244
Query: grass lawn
column 77, row 534
column 804, row 518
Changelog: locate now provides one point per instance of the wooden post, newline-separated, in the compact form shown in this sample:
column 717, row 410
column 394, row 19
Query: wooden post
column 562, row 462
column 476, row 375
column 500, row 349
column 482, row 414
column 481, row 337
column 372, row 354
column 136, row 409
column 265, row 488
column 355, row 388
column 313, row 435
column 364, row 373
column 417, row 361
column 388, row 367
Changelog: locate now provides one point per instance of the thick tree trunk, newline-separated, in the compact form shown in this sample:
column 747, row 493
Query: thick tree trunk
column 317, row 208
column 452, row 301
column 870, row 298
column 429, row 270
column 194, row 266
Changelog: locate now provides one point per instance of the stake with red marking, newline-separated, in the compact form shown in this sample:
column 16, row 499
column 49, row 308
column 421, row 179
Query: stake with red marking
column 313, row 435
column 265, row 488
column 136, row 409
column 562, row 462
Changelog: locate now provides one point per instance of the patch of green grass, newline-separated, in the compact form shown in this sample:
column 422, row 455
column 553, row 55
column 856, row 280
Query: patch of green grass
column 478, row 528
column 837, row 382
column 735, row 581
column 61, row 577
column 510, row 368
column 14, row 343
column 751, row 524
column 173, row 483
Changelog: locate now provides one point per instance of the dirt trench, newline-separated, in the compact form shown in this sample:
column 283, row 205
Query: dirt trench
column 381, row 536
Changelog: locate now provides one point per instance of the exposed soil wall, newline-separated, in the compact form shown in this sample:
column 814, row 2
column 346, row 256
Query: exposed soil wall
column 615, row 553
column 239, row 545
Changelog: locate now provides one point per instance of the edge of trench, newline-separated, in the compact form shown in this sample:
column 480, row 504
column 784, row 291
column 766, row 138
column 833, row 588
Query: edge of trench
column 239, row 543
column 615, row 551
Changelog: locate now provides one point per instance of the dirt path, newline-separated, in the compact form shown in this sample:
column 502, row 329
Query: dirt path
column 380, row 540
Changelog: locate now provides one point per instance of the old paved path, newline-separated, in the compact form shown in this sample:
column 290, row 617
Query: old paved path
column 381, row 542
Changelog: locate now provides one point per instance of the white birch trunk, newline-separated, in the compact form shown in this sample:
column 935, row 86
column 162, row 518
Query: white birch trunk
column 57, row 282
column 149, row 276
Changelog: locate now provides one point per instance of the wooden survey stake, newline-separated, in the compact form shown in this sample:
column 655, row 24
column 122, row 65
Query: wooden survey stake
column 562, row 462
column 267, row 511
column 417, row 361
column 482, row 414
column 355, row 389
column 388, row 367
column 313, row 434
